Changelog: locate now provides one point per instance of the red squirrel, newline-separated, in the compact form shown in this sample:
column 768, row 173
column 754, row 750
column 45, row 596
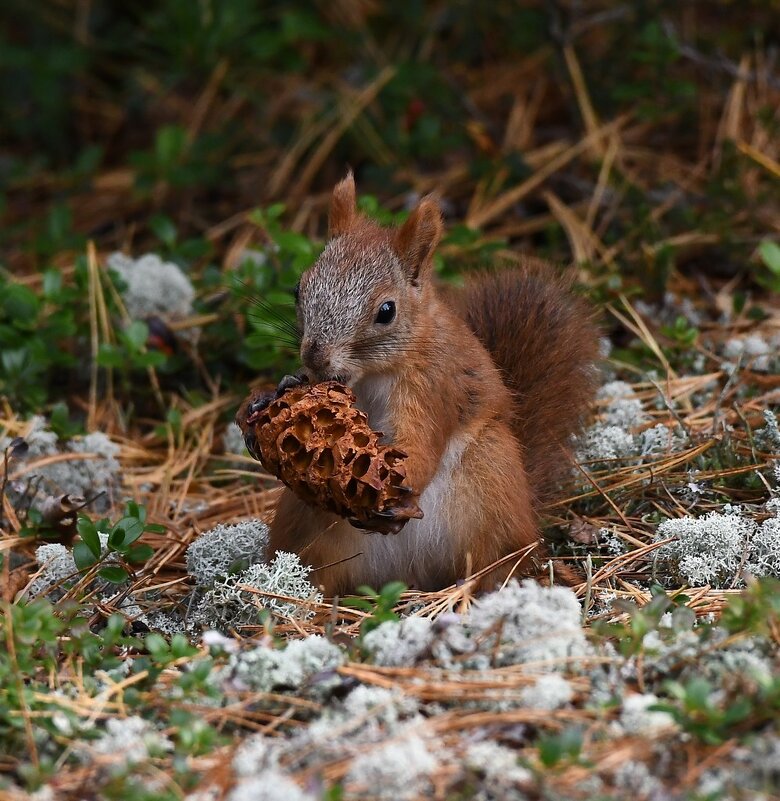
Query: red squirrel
column 482, row 387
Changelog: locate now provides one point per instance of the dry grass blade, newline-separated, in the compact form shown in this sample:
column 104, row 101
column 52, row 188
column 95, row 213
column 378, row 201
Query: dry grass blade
column 492, row 209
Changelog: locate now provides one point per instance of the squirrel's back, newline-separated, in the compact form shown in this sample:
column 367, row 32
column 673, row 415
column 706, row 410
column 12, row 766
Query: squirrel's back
column 545, row 341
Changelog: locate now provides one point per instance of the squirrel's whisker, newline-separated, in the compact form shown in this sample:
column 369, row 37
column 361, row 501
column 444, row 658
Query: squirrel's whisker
column 246, row 292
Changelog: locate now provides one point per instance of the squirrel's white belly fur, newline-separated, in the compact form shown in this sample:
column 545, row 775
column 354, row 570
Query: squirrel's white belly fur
column 372, row 396
column 428, row 542
column 418, row 552
column 423, row 549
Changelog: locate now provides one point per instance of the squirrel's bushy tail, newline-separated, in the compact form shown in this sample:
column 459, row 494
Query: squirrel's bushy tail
column 545, row 341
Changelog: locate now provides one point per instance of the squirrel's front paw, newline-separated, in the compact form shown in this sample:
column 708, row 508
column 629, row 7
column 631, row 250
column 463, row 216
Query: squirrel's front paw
column 387, row 521
column 247, row 414
column 253, row 406
column 290, row 382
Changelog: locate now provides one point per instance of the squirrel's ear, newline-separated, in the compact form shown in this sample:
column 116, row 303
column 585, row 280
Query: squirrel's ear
column 342, row 206
column 418, row 236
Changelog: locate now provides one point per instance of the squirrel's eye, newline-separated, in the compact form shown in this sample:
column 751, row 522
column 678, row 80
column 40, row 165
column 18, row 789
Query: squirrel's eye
column 297, row 291
column 386, row 312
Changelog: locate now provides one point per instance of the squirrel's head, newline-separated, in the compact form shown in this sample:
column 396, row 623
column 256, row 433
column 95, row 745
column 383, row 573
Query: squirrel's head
column 359, row 305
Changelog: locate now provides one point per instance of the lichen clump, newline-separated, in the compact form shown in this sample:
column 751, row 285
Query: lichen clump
column 134, row 738
column 237, row 599
column 622, row 432
column 520, row 623
column 226, row 549
column 58, row 571
column 716, row 548
column 296, row 667
column 93, row 473
column 153, row 286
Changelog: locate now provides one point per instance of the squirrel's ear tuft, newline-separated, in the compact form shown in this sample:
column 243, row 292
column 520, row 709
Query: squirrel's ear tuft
column 417, row 238
column 342, row 206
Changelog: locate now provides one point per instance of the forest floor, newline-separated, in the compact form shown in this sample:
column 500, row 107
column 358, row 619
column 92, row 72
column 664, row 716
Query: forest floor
column 147, row 650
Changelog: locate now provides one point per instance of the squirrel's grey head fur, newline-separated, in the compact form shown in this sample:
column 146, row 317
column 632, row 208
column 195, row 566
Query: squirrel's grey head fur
column 363, row 267
column 338, row 294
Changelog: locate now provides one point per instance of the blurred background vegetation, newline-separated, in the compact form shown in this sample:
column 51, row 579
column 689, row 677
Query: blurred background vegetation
column 639, row 140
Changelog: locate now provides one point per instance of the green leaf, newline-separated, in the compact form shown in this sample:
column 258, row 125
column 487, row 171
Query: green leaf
column 294, row 244
column 89, row 535
column 738, row 711
column 139, row 554
column 136, row 334
column 83, row 556
column 169, row 145
column 52, row 283
column 698, row 694
column 155, row 528
column 164, row 229
column 391, row 592
column 19, row 303
column 174, row 419
column 261, row 217
column 156, row 644
column 358, row 603
column 770, row 255
column 59, row 421
column 180, row 646
column 116, row 538
column 132, row 509
column 114, row 626
column 113, row 574
column 153, row 358
column 554, row 747
column 675, row 689
column 132, row 528
column 110, row 356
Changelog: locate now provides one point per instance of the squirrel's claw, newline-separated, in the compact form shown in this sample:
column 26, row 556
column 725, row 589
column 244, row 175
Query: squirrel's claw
column 258, row 404
column 387, row 521
column 290, row 382
column 262, row 401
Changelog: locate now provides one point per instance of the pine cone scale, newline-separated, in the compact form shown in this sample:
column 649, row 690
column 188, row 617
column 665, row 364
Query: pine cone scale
column 320, row 445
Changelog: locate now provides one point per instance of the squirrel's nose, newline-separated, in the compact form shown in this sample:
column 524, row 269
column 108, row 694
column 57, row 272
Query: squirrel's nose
column 315, row 356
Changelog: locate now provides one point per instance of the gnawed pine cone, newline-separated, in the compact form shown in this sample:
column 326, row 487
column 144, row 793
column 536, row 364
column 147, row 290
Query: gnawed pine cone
column 323, row 449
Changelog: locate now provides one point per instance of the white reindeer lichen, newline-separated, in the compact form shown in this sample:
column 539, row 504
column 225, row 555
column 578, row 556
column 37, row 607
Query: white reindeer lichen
column 226, row 548
column 228, row 605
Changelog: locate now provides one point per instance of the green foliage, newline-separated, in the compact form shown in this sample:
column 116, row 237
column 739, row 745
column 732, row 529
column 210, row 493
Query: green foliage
column 682, row 333
column 121, row 548
column 654, row 85
column 32, row 647
column 564, row 747
column 770, row 257
column 699, row 713
column 43, row 640
column 334, row 793
column 629, row 636
column 708, row 711
column 263, row 289
column 380, row 605
column 194, row 736
column 35, row 328
column 61, row 424
column 44, row 334
column 130, row 353
column 756, row 610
